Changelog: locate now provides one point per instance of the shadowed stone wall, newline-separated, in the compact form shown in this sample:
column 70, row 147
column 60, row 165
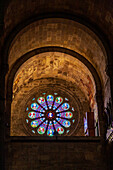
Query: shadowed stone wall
column 65, row 155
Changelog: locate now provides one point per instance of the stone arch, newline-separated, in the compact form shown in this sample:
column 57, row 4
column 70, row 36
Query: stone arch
column 98, row 18
column 24, row 58
column 71, row 49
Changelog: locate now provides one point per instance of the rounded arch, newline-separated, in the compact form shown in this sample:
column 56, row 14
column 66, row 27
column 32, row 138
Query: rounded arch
column 72, row 17
column 75, row 37
column 24, row 57
column 30, row 54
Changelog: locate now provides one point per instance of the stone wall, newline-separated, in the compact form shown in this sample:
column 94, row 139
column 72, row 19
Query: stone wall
column 63, row 33
column 97, row 12
column 20, row 100
column 57, row 155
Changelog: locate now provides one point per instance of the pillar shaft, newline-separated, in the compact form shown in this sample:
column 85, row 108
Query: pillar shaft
column 3, row 70
column 109, row 71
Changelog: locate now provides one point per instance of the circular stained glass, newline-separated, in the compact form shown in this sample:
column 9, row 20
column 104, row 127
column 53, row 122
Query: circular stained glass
column 50, row 114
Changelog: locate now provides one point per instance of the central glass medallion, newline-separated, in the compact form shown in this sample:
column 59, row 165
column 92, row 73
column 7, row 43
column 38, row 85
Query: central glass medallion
column 50, row 115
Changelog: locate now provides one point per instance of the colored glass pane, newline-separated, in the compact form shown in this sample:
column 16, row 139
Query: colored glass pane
column 42, row 102
column 27, row 109
column 50, row 100
column 37, row 122
column 34, row 115
column 50, row 130
column 34, row 123
column 58, row 128
column 73, row 109
column 64, row 122
column 36, row 107
column 41, row 130
column 63, row 107
column 66, row 99
column 44, row 124
column 57, row 102
column 73, row 120
column 68, row 115
column 51, row 116
column 27, row 120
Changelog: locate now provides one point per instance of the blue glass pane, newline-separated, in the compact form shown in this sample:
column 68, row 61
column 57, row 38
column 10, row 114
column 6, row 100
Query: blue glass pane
column 57, row 102
column 33, row 131
column 27, row 109
column 67, row 114
column 64, row 122
column 42, row 102
column 50, row 100
column 67, row 131
column 66, row 99
column 37, row 122
column 73, row 120
column 36, row 107
column 33, row 115
column 27, row 120
column 58, row 128
column 63, row 107
column 41, row 130
column 50, row 130
column 73, row 109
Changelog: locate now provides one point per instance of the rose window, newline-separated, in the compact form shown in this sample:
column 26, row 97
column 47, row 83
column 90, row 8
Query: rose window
column 50, row 114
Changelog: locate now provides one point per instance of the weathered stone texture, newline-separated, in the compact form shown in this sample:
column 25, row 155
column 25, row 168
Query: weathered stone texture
column 86, row 28
column 63, row 33
column 56, row 155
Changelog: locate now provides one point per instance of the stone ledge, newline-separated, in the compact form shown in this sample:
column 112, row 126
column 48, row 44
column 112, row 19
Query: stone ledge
column 54, row 139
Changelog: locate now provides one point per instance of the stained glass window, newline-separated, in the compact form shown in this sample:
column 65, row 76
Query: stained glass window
column 50, row 114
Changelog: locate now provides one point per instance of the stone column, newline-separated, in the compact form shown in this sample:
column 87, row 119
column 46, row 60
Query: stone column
column 2, row 99
column 109, row 71
column 100, row 105
column 3, row 70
